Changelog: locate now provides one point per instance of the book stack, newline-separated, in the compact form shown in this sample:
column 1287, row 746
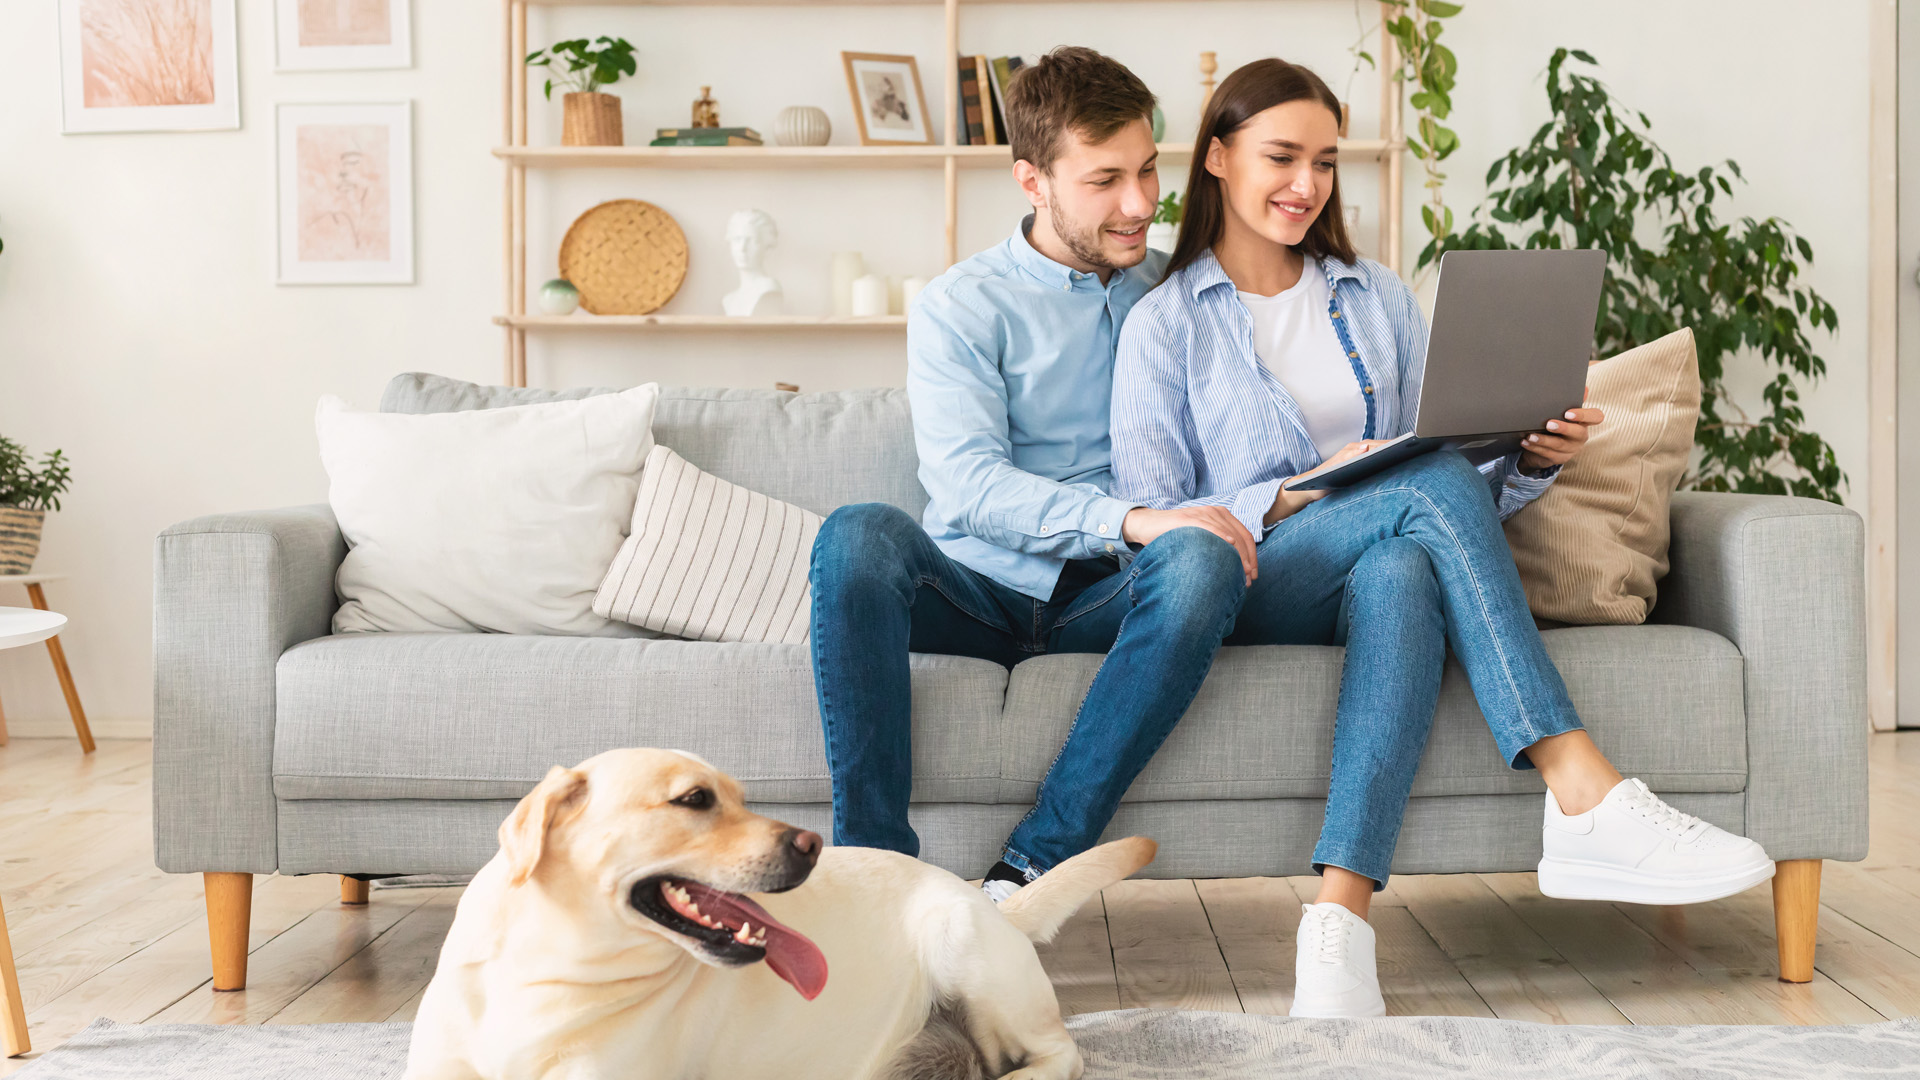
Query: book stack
column 718, row 136
column 981, row 109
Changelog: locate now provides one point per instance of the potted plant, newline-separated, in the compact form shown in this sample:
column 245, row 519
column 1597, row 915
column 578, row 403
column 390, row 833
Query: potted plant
column 26, row 494
column 1165, row 228
column 591, row 118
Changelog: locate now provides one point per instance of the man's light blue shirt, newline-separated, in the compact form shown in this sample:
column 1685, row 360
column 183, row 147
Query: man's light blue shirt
column 1010, row 372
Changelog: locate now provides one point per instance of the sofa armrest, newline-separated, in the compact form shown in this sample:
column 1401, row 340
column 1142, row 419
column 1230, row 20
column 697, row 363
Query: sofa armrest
column 230, row 594
column 1784, row 579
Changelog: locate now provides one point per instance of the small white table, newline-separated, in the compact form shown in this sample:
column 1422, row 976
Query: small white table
column 38, row 597
column 18, row 626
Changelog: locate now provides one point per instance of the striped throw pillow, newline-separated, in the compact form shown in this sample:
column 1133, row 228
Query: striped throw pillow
column 710, row 560
column 1591, row 550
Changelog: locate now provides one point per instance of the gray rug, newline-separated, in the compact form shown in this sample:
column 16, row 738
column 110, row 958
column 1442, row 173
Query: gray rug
column 1138, row 1044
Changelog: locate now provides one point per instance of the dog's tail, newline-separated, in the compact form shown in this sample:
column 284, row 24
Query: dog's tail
column 1041, row 907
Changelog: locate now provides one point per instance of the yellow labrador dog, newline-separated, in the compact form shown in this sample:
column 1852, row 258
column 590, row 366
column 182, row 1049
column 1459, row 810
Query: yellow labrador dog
column 610, row 939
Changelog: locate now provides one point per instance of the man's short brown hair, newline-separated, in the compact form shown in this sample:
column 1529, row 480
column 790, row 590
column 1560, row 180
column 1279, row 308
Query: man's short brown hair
column 1071, row 89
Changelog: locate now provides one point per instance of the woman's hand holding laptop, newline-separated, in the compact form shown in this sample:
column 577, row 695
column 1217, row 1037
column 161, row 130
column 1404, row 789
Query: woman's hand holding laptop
column 1561, row 441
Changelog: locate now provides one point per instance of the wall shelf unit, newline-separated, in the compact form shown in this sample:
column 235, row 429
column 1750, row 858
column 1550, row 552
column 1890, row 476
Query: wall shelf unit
column 949, row 157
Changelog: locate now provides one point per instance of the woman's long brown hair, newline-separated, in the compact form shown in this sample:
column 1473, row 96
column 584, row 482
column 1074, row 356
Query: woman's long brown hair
column 1252, row 89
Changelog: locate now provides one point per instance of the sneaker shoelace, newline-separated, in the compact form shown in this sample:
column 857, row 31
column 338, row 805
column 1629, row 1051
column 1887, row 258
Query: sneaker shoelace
column 1327, row 935
column 1654, row 811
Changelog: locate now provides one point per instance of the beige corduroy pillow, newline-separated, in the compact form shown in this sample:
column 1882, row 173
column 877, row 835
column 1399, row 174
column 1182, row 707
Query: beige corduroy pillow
column 1592, row 549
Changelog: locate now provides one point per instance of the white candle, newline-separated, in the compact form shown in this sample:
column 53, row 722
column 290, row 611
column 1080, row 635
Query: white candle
column 910, row 288
column 847, row 267
column 869, row 296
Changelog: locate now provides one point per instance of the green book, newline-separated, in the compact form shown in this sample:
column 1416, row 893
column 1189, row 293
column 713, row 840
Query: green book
column 681, row 133
column 702, row 140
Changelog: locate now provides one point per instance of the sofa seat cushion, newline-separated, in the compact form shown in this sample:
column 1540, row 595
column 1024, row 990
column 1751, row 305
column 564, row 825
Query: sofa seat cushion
column 1665, row 703
column 483, row 716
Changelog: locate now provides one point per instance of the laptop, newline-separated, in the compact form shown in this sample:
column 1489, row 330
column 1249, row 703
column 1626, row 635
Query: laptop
column 1508, row 349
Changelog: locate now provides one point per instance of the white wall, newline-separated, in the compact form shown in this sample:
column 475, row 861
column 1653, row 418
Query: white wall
column 140, row 329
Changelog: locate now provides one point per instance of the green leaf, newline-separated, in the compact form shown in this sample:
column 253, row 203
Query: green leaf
column 1439, row 9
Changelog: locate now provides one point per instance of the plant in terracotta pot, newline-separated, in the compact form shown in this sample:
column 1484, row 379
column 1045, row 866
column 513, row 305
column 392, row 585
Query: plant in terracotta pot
column 581, row 67
column 26, row 494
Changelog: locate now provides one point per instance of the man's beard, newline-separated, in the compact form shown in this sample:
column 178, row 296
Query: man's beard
column 1083, row 243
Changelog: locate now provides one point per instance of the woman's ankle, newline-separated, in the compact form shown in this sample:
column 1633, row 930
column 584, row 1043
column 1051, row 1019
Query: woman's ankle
column 1346, row 888
column 1575, row 770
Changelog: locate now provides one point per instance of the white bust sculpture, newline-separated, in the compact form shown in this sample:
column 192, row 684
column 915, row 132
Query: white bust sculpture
column 749, row 234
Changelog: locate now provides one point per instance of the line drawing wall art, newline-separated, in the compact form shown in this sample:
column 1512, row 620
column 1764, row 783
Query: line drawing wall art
column 148, row 65
column 342, row 35
column 345, row 194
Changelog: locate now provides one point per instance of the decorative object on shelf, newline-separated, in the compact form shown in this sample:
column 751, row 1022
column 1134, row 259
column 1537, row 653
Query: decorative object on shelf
column 1208, row 65
column 329, row 35
column 887, row 99
column 750, row 234
column 787, row 387
column 869, row 297
column 590, row 118
column 626, row 257
column 910, row 289
column 559, row 297
column 346, row 194
column 802, row 125
column 1740, row 285
column 1166, row 222
column 26, row 494
column 136, row 65
column 848, row 267
column 706, row 111
column 972, row 113
column 1159, row 123
column 1350, row 213
column 727, row 136
column 1002, row 69
column 1345, row 115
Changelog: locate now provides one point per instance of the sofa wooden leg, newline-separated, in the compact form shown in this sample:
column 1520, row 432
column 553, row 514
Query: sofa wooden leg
column 229, row 906
column 352, row 890
column 1796, row 916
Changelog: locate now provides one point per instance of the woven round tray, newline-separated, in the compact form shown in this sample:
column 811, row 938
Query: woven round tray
column 626, row 257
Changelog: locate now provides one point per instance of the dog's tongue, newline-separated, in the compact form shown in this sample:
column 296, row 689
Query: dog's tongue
column 789, row 953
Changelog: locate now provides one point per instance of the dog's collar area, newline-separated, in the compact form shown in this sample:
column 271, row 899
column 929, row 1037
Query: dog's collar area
column 730, row 929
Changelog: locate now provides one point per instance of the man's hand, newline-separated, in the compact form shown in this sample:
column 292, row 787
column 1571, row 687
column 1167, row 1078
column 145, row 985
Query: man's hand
column 1143, row 526
column 1563, row 439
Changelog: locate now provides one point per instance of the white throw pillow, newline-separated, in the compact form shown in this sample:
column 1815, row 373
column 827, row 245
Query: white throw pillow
column 712, row 561
column 499, row 520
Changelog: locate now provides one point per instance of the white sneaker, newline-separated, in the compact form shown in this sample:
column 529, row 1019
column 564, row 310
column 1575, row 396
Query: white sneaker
column 999, row 889
column 1333, row 973
column 1635, row 848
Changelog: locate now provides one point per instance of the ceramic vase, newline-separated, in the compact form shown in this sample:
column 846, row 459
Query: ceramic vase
column 802, row 125
column 559, row 297
column 848, row 266
column 1161, row 236
column 591, row 120
column 869, row 297
column 19, row 538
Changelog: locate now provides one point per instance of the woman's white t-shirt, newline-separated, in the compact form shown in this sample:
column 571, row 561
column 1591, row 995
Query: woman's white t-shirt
column 1293, row 337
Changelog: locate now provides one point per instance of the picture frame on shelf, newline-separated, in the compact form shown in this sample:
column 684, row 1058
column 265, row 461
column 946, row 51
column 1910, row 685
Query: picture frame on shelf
column 345, row 194
column 342, row 35
column 888, row 102
column 134, row 65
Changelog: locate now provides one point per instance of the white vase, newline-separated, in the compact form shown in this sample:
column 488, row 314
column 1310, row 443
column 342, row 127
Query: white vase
column 1161, row 236
column 802, row 125
column 869, row 296
column 848, row 266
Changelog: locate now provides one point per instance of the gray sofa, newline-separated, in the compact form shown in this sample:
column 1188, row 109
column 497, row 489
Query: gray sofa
column 281, row 747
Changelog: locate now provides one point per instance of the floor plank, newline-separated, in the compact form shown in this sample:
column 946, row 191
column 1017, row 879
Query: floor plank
column 376, row 981
column 1164, row 952
column 1254, row 920
column 1079, row 960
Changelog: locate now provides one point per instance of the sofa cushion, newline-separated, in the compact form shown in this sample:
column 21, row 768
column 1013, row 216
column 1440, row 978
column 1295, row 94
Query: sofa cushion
column 818, row 451
column 483, row 716
column 1664, row 702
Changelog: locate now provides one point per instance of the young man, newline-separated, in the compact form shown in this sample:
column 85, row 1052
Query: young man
column 1010, row 370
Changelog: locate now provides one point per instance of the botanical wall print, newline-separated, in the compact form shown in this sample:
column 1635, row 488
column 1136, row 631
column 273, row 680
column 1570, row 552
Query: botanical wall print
column 148, row 65
column 346, row 194
column 318, row 35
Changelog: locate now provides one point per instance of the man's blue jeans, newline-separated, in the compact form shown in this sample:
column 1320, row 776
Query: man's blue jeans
column 1397, row 568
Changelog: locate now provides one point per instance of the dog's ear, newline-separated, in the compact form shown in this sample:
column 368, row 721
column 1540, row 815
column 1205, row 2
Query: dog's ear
column 523, row 836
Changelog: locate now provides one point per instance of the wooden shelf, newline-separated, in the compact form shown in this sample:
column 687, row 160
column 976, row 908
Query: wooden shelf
column 823, row 157
column 784, row 3
column 584, row 321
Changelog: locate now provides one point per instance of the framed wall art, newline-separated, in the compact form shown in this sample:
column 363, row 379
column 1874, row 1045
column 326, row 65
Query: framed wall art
column 148, row 65
column 887, row 99
column 345, row 194
column 339, row 35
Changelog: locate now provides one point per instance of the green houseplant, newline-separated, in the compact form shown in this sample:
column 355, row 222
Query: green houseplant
column 1592, row 177
column 581, row 67
column 1429, row 67
column 26, row 494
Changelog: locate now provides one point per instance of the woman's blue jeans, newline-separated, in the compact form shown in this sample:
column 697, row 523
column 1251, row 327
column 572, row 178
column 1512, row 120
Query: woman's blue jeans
column 1396, row 568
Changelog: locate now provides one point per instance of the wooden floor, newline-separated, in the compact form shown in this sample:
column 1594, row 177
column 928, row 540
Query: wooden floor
column 99, row 932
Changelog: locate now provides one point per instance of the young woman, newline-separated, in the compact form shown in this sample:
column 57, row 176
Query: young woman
column 1271, row 349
